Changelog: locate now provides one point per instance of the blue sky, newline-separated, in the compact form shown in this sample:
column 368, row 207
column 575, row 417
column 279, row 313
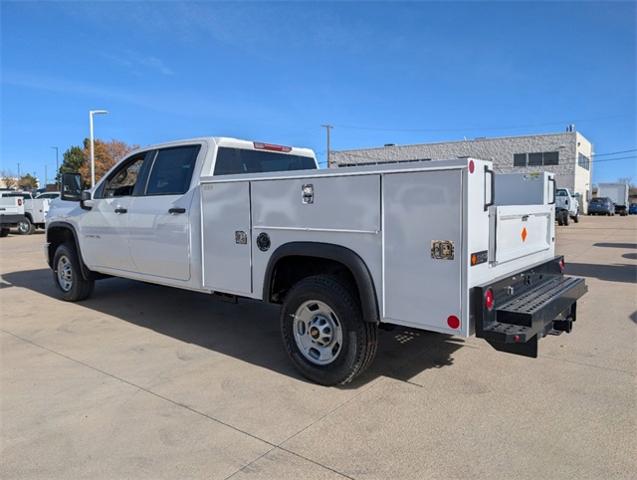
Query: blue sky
column 379, row 72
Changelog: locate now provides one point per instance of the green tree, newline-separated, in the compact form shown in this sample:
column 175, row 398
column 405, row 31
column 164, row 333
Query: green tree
column 72, row 161
column 28, row 182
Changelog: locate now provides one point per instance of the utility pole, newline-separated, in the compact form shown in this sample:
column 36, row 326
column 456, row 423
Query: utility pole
column 57, row 166
column 46, row 177
column 328, row 128
column 18, row 171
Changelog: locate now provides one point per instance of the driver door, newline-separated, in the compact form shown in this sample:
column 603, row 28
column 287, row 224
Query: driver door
column 104, row 229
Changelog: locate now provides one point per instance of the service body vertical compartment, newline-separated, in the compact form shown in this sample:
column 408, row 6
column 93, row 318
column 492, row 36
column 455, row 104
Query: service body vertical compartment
column 423, row 255
column 225, row 213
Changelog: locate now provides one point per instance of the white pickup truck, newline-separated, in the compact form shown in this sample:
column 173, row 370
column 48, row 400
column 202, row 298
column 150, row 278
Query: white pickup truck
column 35, row 210
column 344, row 251
column 566, row 206
column 11, row 213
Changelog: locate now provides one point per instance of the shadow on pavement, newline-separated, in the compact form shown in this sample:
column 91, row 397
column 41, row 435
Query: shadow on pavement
column 609, row 273
column 615, row 245
column 630, row 256
column 248, row 331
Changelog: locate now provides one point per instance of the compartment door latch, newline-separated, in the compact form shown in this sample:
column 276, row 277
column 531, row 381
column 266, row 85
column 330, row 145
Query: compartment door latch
column 442, row 249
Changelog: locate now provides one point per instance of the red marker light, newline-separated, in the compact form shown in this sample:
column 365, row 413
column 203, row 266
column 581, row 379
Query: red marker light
column 19, row 202
column 489, row 300
column 562, row 265
column 453, row 321
column 271, row 146
column 472, row 166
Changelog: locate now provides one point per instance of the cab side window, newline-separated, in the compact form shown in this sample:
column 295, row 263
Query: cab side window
column 121, row 182
column 172, row 170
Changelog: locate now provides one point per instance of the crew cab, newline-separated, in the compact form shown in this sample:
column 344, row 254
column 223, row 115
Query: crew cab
column 344, row 251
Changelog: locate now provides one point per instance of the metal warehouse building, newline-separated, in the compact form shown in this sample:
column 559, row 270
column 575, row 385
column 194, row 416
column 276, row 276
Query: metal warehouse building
column 566, row 154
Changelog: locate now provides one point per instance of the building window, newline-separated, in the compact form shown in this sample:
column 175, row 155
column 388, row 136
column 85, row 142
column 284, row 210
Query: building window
column 536, row 159
column 551, row 158
column 583, row 161
column 519, row 159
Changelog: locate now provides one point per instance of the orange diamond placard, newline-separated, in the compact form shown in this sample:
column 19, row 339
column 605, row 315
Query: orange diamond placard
column 524, row 234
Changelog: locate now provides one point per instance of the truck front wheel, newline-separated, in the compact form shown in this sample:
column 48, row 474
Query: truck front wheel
column 67, row 274
column 324, row 332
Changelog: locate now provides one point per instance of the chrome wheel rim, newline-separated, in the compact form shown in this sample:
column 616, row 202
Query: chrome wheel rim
column 23, row 226
column 65, row 273
column 318, row 332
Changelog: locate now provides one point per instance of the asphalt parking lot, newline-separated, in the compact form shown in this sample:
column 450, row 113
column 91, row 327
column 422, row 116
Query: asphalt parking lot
column 142, row 381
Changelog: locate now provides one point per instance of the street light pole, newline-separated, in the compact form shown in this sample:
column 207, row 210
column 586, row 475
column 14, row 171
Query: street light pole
column 92, row 146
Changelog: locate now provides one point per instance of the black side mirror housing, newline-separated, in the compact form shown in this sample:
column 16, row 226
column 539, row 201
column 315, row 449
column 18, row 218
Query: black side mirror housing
column 71, row 187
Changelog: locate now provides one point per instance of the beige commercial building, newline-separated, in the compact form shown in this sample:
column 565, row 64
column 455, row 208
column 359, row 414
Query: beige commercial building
column 566, row 154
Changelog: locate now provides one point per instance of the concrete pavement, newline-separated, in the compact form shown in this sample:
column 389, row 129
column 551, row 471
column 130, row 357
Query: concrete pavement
column 142, row 381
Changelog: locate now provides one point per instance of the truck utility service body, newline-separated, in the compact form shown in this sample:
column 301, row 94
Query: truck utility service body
column 422, row 245
column 11, row 213
column 35, row 210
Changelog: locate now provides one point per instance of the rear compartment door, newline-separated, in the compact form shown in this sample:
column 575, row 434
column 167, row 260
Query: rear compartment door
column 421, row 209
column 519, row 230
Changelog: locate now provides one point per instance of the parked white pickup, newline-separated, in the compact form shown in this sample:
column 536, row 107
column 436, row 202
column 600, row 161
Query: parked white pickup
column 11, row 213
column 35, row 210
column 423, row 245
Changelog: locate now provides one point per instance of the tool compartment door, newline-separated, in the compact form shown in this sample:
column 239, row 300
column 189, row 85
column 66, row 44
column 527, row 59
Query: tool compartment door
column 225, row 225
column 519, row 230
column 421, row 208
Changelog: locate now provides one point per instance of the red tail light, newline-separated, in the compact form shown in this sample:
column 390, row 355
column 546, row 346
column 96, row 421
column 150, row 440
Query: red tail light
column 562, row 265
column 271, row 146
column 453, row 321
column 489, row 300
column 19, row 202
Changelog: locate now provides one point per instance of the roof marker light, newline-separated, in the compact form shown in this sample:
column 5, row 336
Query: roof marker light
column 472, row 166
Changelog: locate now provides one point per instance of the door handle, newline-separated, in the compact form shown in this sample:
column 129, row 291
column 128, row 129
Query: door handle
column 120, row 210
column 177, row 210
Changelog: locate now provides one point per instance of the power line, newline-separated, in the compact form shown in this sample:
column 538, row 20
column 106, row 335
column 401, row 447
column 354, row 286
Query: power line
column 614, row 153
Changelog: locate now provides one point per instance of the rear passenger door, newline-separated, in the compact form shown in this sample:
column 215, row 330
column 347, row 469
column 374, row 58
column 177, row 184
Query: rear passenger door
column 159, row 223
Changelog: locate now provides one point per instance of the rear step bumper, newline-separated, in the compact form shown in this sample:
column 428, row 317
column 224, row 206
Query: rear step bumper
column 528, row 306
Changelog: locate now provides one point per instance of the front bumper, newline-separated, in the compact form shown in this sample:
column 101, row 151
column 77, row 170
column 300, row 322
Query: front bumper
column 528, row 305
column 11, row 219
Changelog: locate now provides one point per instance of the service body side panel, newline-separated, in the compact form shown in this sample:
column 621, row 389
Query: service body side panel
column 419, row 208
column 345, row 211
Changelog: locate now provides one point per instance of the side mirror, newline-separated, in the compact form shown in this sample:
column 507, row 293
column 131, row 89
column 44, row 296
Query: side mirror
column 71, row 187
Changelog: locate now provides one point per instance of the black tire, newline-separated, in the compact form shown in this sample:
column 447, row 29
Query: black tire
column 4, row 232
column 80, row 288
column 567, row 219
column 25, row 227
column 359, row 338
column 576, row 218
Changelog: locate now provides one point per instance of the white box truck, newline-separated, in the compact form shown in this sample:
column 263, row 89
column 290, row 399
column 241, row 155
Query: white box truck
column 617, row 193
column 343, row 251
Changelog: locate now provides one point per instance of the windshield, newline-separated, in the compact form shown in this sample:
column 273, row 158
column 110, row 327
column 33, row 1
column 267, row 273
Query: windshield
column 562, row 193
column 240, row 160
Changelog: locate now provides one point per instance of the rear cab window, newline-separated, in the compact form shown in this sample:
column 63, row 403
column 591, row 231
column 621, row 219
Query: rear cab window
column 239, row 160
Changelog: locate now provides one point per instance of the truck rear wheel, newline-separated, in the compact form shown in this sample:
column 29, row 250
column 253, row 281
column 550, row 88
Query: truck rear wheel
column 324, row 332
column 25, row 227
column 67, row 274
